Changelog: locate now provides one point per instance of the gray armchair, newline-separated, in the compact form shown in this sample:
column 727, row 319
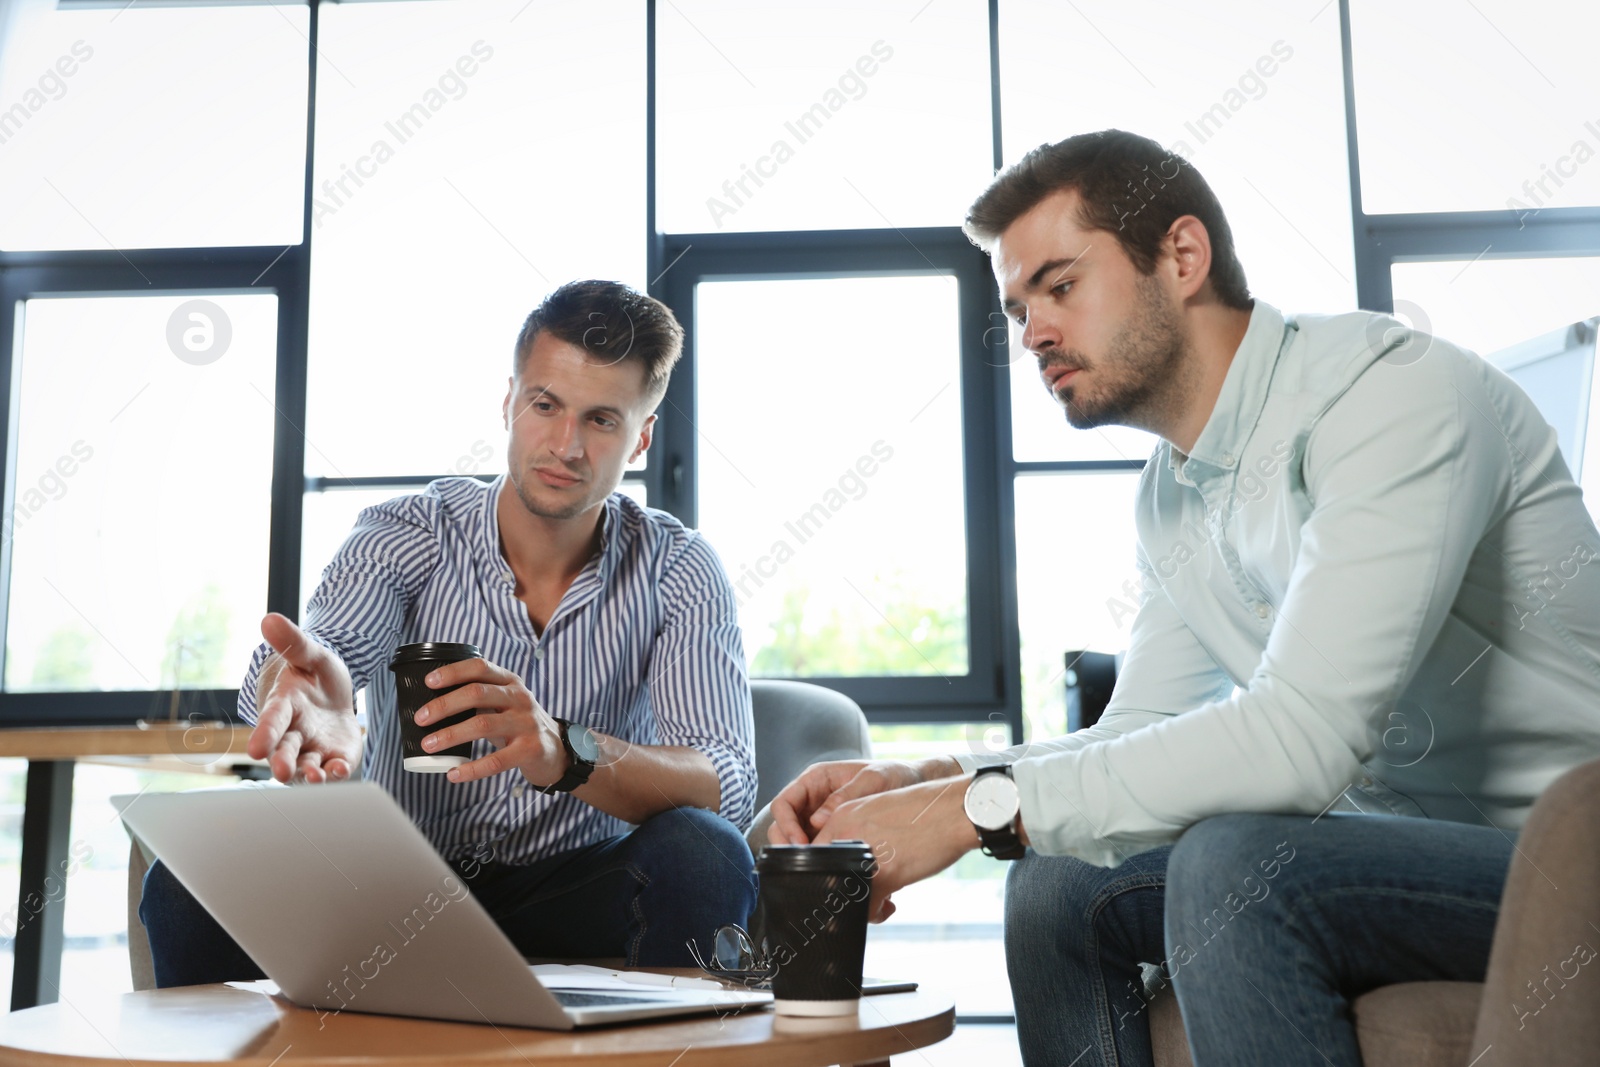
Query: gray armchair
column 798, row 724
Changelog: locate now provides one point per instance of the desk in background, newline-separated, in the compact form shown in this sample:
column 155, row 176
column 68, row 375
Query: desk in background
column 47, row 820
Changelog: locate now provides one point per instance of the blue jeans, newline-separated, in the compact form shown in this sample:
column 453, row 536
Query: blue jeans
column 640, row 896
column 1267, row 926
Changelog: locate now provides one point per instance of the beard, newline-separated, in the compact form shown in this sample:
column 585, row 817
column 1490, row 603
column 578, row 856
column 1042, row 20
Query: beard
column 541, row 510
column 1143, row 375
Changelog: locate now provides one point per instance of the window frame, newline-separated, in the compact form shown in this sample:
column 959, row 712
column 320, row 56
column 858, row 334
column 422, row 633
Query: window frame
column 676, row 262
column 1385, row 239
column 31, row 275
column 991, row 691
column 988, row 689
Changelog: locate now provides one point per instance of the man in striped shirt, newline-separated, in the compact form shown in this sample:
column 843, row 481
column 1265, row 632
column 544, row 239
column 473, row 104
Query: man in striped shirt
column 593, row 614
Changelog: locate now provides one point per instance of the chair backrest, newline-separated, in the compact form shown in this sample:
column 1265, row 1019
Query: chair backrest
column 1090, row 677
column 798, row 724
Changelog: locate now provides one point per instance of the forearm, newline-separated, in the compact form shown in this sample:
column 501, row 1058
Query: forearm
column 938, row 767
column 634, row 782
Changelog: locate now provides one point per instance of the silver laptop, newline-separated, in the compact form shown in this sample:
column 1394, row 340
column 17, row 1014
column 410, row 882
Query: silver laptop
column 346, row 906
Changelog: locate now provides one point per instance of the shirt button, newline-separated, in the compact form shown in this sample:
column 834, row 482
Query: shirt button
column 538, row 653
column 1262, row 610
column 1227, row 459
column 518, row 789
column 1366, row 780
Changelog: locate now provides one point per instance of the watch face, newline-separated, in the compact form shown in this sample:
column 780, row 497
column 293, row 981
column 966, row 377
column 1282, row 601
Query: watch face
column 581, row 738
column 992, row 801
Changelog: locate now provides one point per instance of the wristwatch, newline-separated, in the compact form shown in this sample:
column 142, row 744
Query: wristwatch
column 583, row 751
column 994, row 804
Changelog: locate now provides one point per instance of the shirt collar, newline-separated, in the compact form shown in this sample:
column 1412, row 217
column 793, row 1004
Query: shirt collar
column 610, row 540
column 610, row 523
column 1243, row 394
column 489, row 534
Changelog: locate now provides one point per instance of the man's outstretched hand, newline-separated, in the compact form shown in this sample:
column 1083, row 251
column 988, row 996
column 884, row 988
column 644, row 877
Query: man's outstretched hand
column 305, row 711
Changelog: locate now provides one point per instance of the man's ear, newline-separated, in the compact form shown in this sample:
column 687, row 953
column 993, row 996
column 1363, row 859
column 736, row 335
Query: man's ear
column 505, row 405
column 1190, row 245
column 644, row 438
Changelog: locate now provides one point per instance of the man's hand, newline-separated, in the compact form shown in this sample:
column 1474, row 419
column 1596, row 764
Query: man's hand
column 914, row 832
column 525, row 737
column 807, row 803
column 305, row 711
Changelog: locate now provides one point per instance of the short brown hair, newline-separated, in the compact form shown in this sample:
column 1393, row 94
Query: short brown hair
column 1128, row 186
column 610, row 322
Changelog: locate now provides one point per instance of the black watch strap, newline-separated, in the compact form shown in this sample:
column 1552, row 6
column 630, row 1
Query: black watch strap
column 1001, row 844
column 578, row 768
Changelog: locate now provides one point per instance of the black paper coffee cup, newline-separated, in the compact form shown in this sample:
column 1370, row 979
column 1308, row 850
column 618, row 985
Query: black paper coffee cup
column 811, row 923
column 411, row 664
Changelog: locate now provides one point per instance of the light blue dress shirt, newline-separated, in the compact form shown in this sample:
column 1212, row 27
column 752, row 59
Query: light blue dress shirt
column 1372, row 584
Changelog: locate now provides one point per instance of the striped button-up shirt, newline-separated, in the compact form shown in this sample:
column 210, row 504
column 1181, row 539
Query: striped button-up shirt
column 644, row 646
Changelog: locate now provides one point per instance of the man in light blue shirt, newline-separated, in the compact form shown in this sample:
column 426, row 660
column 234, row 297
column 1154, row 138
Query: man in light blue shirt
column 1370, row 585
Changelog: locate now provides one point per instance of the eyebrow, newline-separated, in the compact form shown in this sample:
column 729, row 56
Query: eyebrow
column 1063, row 263
column 1044, row 268
column 544, row 392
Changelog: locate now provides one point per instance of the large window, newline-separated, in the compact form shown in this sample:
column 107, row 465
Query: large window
column 163, row 128
column 832, row 443
column 1519, row 136
column 1249, row 92
column 1481, row 221
column 1063, row 605
column 449, row 198
column 124, row 575
column 819, row 115
column 1218, row 85
column 860, row 570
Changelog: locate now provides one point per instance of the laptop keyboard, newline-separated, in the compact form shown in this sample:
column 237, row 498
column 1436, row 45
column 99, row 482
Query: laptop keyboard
column 571, row 999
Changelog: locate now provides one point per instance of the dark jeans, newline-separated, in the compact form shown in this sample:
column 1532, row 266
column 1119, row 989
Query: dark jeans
column 1268, row 926
column 639, row 896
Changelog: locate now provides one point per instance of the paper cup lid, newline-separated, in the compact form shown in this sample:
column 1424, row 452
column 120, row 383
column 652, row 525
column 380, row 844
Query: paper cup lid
column 433, row 652
column 852, row 856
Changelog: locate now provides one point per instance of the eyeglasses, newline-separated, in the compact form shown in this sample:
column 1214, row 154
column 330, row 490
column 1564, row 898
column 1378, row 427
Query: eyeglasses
column 734, row 958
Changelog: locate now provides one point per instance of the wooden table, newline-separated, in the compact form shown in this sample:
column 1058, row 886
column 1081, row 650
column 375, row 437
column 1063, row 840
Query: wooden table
column 47, row 821
column 218, row 1024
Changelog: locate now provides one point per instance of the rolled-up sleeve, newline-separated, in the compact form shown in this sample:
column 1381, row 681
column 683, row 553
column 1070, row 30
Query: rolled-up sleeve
column 1405, row 479
column 699, row 688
